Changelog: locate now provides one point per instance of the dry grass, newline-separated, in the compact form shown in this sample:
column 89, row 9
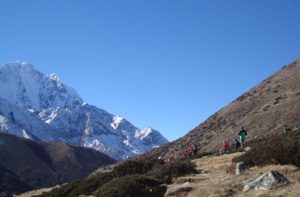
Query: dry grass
column 219, row 182
column 35, row 192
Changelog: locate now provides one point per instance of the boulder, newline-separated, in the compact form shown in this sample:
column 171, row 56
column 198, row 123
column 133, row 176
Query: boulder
column 266, row 181
column 240, row 168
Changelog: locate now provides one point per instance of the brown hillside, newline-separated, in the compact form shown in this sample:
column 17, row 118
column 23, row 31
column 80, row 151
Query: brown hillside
column 264, row 110
column 27, row 165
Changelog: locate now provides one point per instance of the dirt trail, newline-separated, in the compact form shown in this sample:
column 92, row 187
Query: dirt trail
column 217, row 179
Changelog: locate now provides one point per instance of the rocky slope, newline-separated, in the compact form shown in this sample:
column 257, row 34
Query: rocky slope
column 263, row 111
column 217, row 180
column 26, row 164
column 41, row 107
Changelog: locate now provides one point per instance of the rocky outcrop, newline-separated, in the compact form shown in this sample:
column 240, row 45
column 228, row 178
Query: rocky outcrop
column 266, row 181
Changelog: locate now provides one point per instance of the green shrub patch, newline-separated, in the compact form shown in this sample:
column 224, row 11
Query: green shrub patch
column 167, row 172
column 131, row 186
column 129, row 178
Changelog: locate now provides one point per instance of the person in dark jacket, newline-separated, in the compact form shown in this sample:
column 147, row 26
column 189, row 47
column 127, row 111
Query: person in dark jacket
column 236, row 143
column 195, row 149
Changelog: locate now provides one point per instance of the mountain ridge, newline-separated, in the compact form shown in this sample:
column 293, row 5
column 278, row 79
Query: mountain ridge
column 263, row 111
column 59, row 113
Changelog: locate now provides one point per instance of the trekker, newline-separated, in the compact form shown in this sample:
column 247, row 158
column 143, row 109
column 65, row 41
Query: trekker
column 286, row 128
column 161, row 160
column 195, row 149
column 224, row 147
column 242, row 135
column 167, row 161
column 236, row 143
column 189, row 151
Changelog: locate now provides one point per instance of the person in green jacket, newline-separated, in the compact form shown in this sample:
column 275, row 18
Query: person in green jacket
column 242, row 136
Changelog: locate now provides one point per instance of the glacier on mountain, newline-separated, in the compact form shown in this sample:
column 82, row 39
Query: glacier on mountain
column 41, row 107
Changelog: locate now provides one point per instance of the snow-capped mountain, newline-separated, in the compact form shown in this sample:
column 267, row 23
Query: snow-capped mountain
column 40, row 107
column 150, row 136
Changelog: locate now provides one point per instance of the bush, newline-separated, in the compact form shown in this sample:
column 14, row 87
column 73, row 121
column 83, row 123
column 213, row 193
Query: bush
column 62, row 191
column 127, row 179
column 133, row 167
column 167, row 172
column 86, row 186
column 131, row 186
column 281, row 149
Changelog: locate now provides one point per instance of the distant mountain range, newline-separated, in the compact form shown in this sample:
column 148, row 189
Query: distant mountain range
column 262, row 111
column 27, row 165
column 42, row 108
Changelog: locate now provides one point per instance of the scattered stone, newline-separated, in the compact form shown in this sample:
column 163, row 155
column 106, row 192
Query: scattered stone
column 178, row 189
column 266, row 181
column 240, row 168
column 248, row 148
column 186, row 184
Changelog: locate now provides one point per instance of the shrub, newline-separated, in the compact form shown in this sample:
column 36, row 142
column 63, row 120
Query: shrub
column 133, row 167
column 62, row 191
column 167, row 172
column 127, row 179
column 281, row 149
column 86, row 186
column 131, row 186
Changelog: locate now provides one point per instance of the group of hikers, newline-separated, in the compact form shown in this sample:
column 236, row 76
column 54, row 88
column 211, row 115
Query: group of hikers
column 238, row 141
column 164, row 161
column 191, row 151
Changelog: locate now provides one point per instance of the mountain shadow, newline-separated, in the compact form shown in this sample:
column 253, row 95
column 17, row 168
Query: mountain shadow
column 26, row 164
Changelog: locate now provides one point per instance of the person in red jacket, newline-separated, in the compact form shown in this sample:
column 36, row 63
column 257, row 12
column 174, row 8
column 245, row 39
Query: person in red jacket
column 224, row 147
column 189, row 151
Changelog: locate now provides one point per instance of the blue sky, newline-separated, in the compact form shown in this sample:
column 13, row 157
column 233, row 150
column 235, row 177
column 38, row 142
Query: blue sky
column 167, row 64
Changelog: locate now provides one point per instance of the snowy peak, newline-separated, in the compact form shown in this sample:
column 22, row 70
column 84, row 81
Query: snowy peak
column 117, row 120
column 53, row 77
column 40, row 107
column 20, row 65
column 20, row 84
column 151, row 136
column 26, row 87
column 144, row 133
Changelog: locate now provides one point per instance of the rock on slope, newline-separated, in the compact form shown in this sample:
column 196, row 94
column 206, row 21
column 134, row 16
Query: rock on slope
column 26, row 164
column 263, row 110
column 41, row 107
